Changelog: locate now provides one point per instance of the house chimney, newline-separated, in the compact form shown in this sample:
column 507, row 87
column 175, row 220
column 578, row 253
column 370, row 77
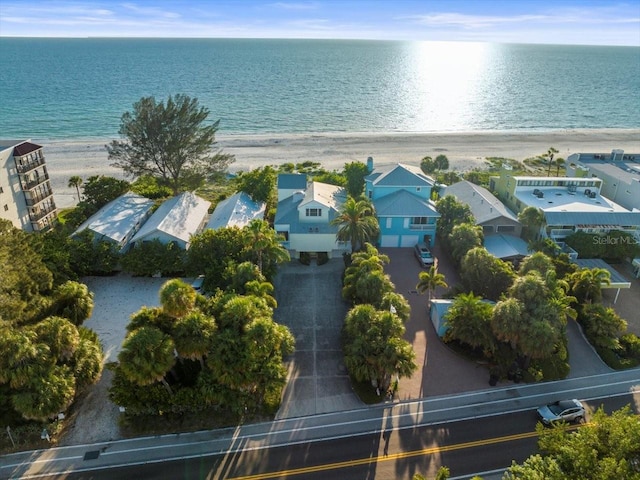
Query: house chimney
column 370, row 164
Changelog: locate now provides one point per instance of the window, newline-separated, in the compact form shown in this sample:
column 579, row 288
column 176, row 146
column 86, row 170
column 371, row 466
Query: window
column 506, row 228
column 420, row 220
column 388, row 222
column 314, row 212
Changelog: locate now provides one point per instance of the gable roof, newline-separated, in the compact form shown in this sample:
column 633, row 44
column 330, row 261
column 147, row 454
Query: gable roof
column 118, row 217
column 236, row 211
column 331, row 196
column 483, row 204
column 400, row 175
column 404, row 204
column 178, row 217
column 292, row 181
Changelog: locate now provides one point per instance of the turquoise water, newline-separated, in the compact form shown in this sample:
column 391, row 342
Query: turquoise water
column 79, row 88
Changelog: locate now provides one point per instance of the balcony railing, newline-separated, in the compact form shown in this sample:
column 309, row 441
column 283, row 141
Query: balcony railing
column 560, row 232
column 34, row 182
column 42, row 212
column 27, row 166
column 418, row 226
column 34, row 199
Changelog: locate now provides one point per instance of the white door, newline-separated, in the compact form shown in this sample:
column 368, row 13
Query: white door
column 389, row 241
column 408, row 240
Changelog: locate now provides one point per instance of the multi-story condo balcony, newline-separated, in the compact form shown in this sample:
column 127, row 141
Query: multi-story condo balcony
column 29, row 162
column 31, row 182
column 34, row 197
column 42, row 210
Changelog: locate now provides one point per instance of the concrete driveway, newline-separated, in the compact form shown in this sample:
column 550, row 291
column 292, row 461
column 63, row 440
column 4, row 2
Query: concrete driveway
column 310, row 304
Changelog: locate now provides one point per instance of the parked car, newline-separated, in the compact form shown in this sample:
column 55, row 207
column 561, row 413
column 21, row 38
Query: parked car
column 197, row 283
column 561, row 411
column 423, row 254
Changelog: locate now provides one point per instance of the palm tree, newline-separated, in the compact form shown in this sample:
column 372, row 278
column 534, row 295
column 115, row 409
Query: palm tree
column 177, row 298
column 468, row 320
column 586, row 284
column 549, row 157
column 533, row 219
column 73, row 300
column 357, row 223
column 147, row 355
column 60, row 335
column 265, row 247
column 193, row 336
column 559, row 163
column 75, row 181
column 46, row 394
column 430, row 280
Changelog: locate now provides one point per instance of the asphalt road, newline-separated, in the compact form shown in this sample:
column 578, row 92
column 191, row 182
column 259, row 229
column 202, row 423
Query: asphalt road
column 468, row 447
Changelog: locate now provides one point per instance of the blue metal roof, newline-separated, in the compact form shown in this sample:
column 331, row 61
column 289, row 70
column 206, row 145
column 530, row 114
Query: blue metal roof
column 593, row 218
column 292, row 181
column 404, row 204
column 506, row 246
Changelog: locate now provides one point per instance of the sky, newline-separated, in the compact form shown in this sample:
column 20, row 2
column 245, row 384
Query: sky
column 591, row 22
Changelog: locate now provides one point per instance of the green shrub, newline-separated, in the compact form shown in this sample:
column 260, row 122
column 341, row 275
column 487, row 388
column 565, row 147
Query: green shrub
column 631, row 345
column 149, row 258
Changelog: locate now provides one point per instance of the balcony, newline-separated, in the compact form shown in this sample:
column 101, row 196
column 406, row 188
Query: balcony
column 42, row 212
column 33, row 182
column 560, row 233
column 421, row 227
column 34, row 198
column 26, row 165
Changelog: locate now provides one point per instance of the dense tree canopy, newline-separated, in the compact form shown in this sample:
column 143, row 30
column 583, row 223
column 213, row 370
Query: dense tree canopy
column 484, row 274
column 604, row 449
column 355, row 172
column 259, row 183
column 452, row 213
column 170, row 142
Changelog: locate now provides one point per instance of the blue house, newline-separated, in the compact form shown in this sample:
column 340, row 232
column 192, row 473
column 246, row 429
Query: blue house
column 401, row 196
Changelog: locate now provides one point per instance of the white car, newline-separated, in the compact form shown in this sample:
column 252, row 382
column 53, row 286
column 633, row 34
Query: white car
column 561, row 411
column 423, row 254
column 197, row 283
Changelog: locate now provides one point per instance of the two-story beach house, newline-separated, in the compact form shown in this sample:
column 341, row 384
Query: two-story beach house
column 304, row 215
column 26, row 197
column 401, row 195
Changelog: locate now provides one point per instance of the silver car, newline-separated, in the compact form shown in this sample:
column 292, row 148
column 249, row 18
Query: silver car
column 423, row 254
column 561, row 411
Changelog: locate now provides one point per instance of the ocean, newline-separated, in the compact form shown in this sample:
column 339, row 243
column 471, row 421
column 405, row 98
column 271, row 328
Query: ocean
column 60, row 89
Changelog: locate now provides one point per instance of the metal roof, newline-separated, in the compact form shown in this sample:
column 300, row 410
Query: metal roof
column 483, row 204
column 506, row 246
column 404, row 204
column 401, row 176
column 236, row 211
column 119, row 217
column 617, row 279
column 179, row 217
column 292, row 181
column 331, row 196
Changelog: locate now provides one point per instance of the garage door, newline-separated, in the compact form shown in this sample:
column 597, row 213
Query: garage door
column 408, row 240
column 389, row 241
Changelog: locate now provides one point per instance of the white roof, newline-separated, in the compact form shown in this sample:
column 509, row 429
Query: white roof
column 559, row 199
column 331, row 196
column 179, row 217
column 117, row 218
column 236, row 211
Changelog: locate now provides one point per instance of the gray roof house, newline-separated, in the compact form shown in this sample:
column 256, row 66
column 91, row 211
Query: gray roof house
column 490, row 213
column 236, row 211
column 303, row 217
column 176, row 220
column 119, row 220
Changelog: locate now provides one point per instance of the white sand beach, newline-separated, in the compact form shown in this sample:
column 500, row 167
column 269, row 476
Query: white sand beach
column 465, row 150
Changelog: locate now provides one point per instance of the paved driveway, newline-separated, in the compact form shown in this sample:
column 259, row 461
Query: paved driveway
column 310, row 304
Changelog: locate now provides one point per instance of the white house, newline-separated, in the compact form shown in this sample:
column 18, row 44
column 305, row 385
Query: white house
column 119, row 220
column 176, row 220
column 303, row 216
column 236, row 211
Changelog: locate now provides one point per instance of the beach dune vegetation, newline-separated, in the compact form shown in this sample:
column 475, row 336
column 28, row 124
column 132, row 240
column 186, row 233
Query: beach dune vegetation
column 170, row 142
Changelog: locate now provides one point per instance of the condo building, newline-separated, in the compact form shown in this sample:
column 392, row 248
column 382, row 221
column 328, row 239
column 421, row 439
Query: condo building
column 26, row 197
